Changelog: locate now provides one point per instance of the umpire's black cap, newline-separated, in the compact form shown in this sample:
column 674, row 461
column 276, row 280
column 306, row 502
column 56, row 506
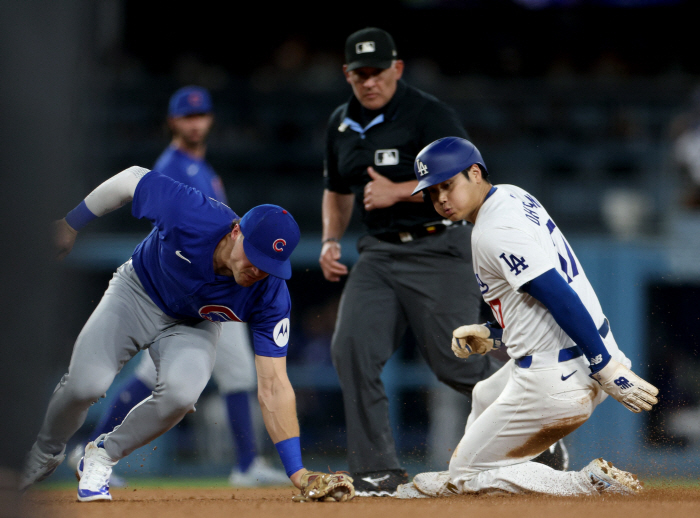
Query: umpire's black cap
column 369, row 47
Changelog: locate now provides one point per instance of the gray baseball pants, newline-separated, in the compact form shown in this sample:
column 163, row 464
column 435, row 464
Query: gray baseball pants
column 125, row 321
column 428, row 285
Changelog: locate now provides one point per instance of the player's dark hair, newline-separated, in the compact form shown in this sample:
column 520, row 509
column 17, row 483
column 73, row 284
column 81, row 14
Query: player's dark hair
column 484, row 173
column 235, row 222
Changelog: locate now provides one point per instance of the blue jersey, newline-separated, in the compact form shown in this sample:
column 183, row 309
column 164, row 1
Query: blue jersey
column 175, row 264
column 191, row 171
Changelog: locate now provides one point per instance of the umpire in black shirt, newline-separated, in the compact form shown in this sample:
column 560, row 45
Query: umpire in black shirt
column 414, row 268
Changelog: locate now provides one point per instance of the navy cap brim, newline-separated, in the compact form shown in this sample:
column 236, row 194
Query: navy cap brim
column 281, row 269
column 433, row 180
column 359, row 63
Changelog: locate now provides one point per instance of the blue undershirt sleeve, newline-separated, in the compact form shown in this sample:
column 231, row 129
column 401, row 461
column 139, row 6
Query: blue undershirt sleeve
column 569, row 312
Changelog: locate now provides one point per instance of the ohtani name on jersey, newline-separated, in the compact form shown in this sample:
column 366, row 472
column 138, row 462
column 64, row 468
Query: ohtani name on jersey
column 217, row 313
column 530, row 212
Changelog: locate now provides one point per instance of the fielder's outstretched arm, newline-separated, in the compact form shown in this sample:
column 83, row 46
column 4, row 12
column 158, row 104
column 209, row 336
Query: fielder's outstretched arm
column 572, row 316
column 278, row 405
column 108, row 196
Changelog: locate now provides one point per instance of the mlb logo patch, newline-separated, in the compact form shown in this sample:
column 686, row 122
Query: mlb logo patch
column 386, row 157
column 364, row 46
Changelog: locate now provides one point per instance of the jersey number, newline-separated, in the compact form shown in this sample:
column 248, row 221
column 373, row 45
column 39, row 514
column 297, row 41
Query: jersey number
column 566, row 258
column 497, row 312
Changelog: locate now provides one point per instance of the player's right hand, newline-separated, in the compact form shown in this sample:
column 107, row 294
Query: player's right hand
column 473, row 339
column 333, row 270
column 63, row 237
column 625, row 386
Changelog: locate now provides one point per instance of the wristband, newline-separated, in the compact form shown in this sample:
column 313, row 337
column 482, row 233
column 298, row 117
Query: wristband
column 79, row 216
column 334, row 239
column 290, row 454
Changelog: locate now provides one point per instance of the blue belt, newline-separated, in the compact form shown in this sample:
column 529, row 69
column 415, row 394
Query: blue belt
column 565, row 354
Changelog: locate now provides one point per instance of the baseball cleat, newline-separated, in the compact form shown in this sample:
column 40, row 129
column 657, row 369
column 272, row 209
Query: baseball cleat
column 94, row 470
column 408, row 491
column 258, row 474
column 379, row 483
column 435, row 484
column 114, row 479
column 606, row 478
column 38, row 466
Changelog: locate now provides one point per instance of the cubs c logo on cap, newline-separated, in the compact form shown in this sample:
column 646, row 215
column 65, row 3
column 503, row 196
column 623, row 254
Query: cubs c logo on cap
column 216, row 313
column 195, row 99
column 281, row 332
column 278, row 245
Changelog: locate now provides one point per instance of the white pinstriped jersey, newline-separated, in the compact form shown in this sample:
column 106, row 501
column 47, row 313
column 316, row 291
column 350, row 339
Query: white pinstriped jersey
column 514, row 241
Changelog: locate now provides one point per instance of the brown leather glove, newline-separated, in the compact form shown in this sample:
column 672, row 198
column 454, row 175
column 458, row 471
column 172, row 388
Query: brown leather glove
column 325, row 487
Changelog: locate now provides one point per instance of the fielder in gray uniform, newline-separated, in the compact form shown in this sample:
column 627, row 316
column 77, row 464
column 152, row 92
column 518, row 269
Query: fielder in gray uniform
column 190, row 119
column 200, row 266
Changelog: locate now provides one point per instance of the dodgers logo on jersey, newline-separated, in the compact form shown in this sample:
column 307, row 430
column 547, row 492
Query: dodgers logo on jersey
column 281, row 332
column 278, row 245
column 216, row 313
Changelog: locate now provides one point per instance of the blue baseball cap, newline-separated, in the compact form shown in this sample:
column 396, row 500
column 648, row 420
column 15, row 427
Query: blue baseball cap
column 443, row 159
column 270, row 235
column 189, row 100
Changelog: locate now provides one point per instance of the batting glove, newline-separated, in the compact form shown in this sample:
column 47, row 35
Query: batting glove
column 476, row 338
column 625, row 386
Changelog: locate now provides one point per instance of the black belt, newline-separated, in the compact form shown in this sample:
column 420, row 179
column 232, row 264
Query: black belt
column 565, row 354
column 412, row 233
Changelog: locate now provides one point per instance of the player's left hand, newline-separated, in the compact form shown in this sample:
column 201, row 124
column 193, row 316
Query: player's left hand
column 625, row 386
column 473, row 339
column 63, row 237
column 325, row 487
column 380, row 192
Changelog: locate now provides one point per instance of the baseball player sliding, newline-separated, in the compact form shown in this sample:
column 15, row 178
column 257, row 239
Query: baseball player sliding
column 200, row 266
column 564, row 359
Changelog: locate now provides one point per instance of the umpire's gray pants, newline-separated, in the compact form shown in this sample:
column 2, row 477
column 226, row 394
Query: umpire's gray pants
column 125, row 321
column 427, row 285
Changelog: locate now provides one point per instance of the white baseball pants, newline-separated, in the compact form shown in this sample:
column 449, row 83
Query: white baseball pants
column 517, row 413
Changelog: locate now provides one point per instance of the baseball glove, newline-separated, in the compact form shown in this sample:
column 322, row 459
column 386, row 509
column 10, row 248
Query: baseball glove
column 325, row 487
column 475, row 339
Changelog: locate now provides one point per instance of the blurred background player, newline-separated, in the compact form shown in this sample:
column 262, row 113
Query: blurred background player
column 190, row 118
column 412, row 262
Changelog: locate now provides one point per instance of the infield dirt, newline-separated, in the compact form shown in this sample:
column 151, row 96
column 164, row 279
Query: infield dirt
column 673, row 502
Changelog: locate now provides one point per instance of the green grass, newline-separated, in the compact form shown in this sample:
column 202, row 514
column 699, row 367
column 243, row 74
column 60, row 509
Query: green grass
column 662, row 483
column 148, row 483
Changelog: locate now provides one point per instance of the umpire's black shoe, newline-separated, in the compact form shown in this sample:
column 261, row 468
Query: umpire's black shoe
column 556, row 456
column 379, row 483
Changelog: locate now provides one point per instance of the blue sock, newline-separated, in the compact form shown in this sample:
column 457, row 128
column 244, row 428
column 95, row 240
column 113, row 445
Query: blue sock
column 239, row 418
column 132, row 393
